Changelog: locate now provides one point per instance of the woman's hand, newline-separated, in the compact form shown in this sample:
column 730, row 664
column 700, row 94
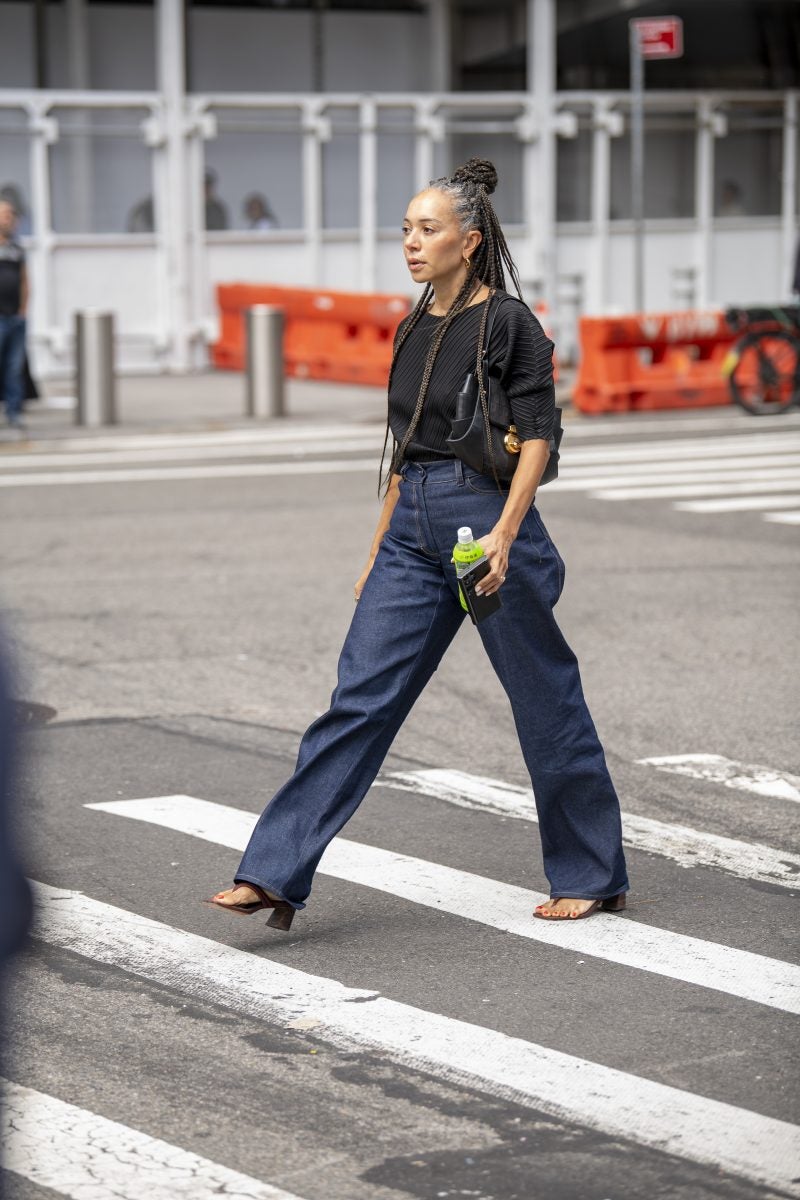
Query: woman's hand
column 496, row 546
column 362, row 579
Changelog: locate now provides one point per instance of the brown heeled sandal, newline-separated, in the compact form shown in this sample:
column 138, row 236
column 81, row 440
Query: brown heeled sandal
column 610, row 904
column 282, row 913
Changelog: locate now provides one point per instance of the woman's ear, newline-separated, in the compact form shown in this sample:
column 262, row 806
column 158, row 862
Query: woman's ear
column 472, row 241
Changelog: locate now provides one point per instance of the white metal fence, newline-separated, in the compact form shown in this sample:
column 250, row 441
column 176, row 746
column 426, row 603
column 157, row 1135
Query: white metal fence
column 337, row 170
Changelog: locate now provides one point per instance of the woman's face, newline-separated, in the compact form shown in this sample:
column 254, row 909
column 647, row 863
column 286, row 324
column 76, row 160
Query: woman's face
column 433, row 241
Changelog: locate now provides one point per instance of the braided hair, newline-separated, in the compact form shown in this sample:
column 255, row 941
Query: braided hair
column 469, row 188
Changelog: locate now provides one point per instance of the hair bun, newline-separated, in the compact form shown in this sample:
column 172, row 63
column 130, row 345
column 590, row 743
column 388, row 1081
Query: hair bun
column 479, row 172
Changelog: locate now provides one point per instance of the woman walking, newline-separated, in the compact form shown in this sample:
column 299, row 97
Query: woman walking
column 408, row 609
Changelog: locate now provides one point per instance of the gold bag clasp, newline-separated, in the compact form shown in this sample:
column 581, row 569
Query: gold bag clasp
column 511, row 440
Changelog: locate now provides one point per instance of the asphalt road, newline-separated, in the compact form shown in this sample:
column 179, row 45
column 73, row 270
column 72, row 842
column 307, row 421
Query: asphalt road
column 185, row 630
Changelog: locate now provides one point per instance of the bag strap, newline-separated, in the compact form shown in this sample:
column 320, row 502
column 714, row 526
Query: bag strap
column 490, row 325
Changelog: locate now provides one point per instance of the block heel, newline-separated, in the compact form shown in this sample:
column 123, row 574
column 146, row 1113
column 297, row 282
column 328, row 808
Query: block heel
column 614, row 903
column 281, row 917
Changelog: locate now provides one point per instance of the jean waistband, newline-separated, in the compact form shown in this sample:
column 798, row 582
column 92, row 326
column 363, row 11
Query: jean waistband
column 440, row 470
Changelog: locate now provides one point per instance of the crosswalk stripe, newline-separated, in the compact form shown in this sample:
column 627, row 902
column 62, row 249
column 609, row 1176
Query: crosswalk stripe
column 747, row 777
column 293, row 431
column 754, row 480
column 679, row 470
column 299, row 449
column 153, row 474
column 756, row 485
column 687, row 847
column 747, row 1144
column 610, row 424
column 697, row 448
column 82, row 1155
column 738, row 504
column 730, row 426
column 503, row 906
column 784, row 518
column 684, row 481
column 300, row 439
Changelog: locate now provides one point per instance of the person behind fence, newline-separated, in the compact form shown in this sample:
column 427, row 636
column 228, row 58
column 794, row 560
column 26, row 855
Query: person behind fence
column 13, row 306
column 13, row 194
column 407, row 600
column 216, row 214
column 258, row 212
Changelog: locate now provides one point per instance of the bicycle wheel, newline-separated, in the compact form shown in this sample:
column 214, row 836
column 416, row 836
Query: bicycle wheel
column 766, row 376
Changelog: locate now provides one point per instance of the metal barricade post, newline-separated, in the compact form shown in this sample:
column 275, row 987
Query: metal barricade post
column 264, row 364
column 94, row 368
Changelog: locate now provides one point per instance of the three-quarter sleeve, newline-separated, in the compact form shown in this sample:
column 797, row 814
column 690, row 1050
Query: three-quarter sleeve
column 521, row 355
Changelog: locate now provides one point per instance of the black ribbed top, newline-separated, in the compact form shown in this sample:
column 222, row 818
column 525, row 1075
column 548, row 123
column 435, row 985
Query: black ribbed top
column 520, row 356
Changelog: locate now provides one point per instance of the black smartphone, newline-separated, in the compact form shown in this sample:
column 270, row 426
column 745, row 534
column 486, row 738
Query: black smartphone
column 479, row 607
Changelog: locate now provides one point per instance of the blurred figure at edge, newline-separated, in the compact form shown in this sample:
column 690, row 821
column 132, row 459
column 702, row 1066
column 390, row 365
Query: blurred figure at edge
column 13, row 306
column 15, row 896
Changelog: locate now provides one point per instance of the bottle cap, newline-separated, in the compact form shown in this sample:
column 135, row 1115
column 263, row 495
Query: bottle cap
column 465, row 534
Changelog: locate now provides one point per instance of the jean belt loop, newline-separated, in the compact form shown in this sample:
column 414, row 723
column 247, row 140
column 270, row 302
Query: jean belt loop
column 459, row 471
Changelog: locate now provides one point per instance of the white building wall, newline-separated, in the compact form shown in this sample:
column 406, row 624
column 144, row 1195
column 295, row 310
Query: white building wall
column 17, row 46
column 100, row 167
column 250, row 51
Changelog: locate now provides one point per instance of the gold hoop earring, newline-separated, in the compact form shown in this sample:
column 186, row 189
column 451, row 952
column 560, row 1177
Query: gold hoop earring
column 467, row 262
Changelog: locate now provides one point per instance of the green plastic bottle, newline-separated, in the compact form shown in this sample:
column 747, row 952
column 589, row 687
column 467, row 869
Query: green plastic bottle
column 466, row 553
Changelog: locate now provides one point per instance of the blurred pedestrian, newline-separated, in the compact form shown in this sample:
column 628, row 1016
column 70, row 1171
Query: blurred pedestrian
column 258, row 213
column 13, row 194
column 731, row 202
column 15, row 898
column 13, row 307
column 141, row 218
column 215, row 210
column 408, row 608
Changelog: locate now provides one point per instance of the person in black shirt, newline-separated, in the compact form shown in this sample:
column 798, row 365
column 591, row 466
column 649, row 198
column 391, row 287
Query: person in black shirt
column 13, row 304
column 408, row 605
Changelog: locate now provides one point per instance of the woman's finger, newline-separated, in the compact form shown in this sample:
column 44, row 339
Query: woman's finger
column 490, row 583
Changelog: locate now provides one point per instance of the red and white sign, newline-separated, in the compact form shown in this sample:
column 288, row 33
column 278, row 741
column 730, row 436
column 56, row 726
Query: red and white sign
column 659, row 37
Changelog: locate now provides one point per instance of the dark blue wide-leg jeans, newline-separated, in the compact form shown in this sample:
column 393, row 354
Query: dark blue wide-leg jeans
column 408, row 614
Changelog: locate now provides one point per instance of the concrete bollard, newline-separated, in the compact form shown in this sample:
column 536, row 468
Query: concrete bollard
column 264, row 364
column 94, row 368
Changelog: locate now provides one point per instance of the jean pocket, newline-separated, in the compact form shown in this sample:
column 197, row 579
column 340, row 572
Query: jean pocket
column 485, row 485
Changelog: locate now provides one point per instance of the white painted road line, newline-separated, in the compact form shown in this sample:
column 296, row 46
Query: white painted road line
column 687, row 847
column 79, row 1154
column 753, row 484
column 743, row 1143
column 300, row 449
column 678, row 482
column 730, row 419
column 774, row 479
column 741, row 465
column 156, row 474
column 676, row 452
column 503, row 906
column 292, row 431
column 784, row 518
column 738, row 504
column 744, row 777
column 731, row 426
column 636, row 459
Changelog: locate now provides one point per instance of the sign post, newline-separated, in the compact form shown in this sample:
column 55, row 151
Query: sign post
column 649, row 37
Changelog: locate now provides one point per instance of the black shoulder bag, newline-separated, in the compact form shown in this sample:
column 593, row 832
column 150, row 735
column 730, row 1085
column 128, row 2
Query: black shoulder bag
column 468, row 437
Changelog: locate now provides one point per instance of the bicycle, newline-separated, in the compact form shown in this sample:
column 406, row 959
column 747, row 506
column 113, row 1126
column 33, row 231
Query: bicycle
column 763, row 367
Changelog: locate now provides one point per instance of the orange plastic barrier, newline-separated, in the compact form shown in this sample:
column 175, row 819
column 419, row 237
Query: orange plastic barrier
column 654, row 360
column 541, row 310
column 342, row 336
